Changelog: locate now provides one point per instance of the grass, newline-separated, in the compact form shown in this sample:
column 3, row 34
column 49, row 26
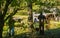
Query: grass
column 25, row 31
column 20, row 32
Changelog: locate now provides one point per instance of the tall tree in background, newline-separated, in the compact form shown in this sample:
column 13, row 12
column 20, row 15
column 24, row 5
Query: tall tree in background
column 30, row 19
column 30, row 13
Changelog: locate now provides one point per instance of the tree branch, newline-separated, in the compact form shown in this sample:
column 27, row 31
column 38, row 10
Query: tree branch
column 14, row 12
column 6, row 6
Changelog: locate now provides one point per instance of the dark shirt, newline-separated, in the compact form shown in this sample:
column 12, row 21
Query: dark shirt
column 41, row 18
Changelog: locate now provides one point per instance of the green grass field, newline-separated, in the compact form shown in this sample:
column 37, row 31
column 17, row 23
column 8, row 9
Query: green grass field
column 25, row 32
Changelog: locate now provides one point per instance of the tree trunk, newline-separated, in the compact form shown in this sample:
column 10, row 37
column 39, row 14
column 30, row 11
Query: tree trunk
column 1, row 27
column 1, row 23
column 30, row 16
column 2, row 15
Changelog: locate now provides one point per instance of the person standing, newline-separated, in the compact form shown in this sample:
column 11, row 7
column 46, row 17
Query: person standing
column 41, row 18
column 11, row 26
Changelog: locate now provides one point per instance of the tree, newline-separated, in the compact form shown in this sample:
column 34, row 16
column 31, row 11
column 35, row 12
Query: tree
column 30, row 19
column 3, row 15
column 5, row 5
column 47, row 4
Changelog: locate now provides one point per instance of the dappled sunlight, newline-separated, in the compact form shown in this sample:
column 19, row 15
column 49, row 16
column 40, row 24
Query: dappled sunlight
column 21, row 30
column 24, row 30
column 29, row 19
column 54, row 24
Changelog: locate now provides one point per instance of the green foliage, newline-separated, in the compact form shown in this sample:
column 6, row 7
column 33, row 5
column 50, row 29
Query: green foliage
column 5, row 28
column 15, row 3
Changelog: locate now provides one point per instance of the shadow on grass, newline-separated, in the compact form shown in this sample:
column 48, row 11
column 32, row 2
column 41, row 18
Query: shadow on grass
column 23, row 35
column 52, row 33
